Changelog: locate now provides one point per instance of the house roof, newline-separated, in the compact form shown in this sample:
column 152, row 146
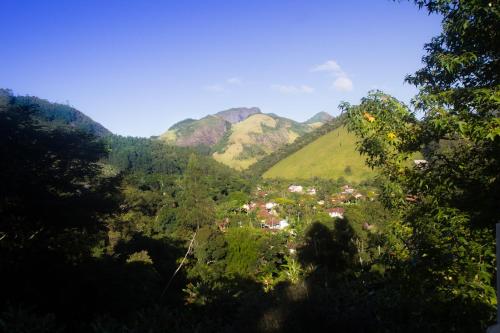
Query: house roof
column 339, row 210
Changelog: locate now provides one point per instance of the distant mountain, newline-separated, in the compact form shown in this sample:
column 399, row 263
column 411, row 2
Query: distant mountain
column 190, row 133
column 235, row 115
column 239, row 137
column 55, row 114
column 206, row 131
column 255, row 137
column 320, row 117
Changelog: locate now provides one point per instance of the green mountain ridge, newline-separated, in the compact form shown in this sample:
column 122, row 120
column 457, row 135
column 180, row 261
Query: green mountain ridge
column 239, row 137
column 55, row 114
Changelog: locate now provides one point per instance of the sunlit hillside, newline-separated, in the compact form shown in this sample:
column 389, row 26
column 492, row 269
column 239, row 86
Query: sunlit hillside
column 255, row 137
column 331, row 156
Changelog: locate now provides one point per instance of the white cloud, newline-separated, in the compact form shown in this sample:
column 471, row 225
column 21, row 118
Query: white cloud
column 285, row 89
column 330, row 66
column 214, row 88
column 234, row 80
column 342, row 81
column 343, row 84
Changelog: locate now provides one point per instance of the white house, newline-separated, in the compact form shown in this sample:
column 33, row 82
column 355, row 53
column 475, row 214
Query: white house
column 283, row 224
column 271, row 205
column 420, row 163
column 336, row 212
column 346, row 189
column 295, row 189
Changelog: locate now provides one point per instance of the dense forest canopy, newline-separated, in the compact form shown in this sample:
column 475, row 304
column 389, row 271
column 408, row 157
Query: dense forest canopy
column 55, row 114
column 104, row 233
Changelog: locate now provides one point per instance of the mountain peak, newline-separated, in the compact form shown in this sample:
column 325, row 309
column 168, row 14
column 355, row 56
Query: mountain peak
column 235, row 115
column 320, row 117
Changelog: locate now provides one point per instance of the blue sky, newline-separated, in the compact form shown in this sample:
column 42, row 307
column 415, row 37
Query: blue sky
column 137, row 67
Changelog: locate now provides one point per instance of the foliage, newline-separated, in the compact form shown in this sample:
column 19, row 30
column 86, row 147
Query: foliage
column 55, row 114
column 244, row 247
column 52, row 188
column 292, row 270
column 447, row 204
column 196, row 208
column 146, row 155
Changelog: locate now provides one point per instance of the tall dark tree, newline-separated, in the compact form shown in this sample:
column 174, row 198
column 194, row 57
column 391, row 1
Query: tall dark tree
column 50, row 180
column 53, row 200
column 196, row 208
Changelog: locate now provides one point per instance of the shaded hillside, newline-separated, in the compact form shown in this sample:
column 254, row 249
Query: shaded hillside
column 256, row 137
column 188, row 133
column 235, row 115
column 206, row 131
column 331, row 156
column 55, row 114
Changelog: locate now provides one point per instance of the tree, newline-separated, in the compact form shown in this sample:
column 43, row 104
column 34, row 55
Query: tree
column 196, row 208
column 53, row 204
column 448, row 201
column 51, row 184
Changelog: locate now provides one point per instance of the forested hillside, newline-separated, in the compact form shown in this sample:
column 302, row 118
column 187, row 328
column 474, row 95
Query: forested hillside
column 54, row 114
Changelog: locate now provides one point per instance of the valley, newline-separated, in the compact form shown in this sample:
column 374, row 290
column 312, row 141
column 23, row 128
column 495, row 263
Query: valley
column 379, row 217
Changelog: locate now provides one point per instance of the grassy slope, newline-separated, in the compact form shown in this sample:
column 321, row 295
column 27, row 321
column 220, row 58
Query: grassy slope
column 245, row 133
column 326, row 157
column 241, row 135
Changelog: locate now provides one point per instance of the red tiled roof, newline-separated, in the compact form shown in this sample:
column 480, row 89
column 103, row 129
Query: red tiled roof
column 336, row 210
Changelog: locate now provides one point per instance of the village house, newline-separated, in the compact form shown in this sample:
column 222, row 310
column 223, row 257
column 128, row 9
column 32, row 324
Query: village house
column 339, row 198
column 249, row 207
column 311, row 191
column 420, row 163
column 269, row 219
column 337, row 212
column 283, row 224
column 271, row 205
column 295, row 189
column 346, row 189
